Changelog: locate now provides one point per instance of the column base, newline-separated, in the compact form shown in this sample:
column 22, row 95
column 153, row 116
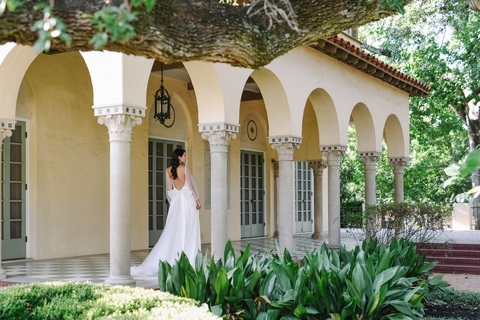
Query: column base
column 317, row 235
column 121, row 280
column 276, row 234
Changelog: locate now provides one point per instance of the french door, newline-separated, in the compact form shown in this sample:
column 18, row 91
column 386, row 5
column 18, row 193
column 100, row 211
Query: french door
column 252, row 194
column 303, row 197
column 159, row 153
column 13, row 194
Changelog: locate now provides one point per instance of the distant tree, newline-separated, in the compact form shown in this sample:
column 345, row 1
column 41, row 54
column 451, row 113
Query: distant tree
column 437, row 42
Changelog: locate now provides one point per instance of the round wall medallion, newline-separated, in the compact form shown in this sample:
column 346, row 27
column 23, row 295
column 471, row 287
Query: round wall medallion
column 252, row 130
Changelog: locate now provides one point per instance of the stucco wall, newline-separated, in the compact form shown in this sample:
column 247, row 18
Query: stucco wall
column 306, row 94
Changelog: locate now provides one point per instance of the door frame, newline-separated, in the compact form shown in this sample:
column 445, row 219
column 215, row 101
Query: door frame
column 26, row 188
column 265, row 195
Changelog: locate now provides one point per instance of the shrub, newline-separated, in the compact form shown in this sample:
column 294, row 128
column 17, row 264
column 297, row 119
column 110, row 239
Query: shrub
column 370, row 282
column 418, row 222
column 70, row 300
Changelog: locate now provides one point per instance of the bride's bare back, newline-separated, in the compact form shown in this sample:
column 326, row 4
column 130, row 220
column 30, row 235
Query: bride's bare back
column 181, row 177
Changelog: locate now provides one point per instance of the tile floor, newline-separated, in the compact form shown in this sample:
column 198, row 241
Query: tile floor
column 96, row 268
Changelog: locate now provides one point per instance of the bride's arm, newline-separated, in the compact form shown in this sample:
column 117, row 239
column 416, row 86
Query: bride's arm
column 168, row 184
column 191, row 184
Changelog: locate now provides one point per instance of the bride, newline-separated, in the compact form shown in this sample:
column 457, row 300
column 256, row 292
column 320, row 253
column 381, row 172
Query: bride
column 182, row 228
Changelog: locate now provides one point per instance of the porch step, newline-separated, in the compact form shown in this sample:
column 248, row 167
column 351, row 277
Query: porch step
column 452, row 257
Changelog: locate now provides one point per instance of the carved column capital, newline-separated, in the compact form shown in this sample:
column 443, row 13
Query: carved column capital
column 370, row 159
column 285, row 150
column 398, row 164
column 120, row 125
column 5, row 133
column 219, row 140
column 334, row 154
column 317, row 166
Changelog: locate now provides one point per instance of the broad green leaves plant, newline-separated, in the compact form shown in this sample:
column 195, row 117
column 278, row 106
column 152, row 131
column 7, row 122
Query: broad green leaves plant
column 372, row 281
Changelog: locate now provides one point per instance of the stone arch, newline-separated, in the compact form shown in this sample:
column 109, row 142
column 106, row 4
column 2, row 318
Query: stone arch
column 14, row 62
column 218, row 98
column 276, row 103
column 396, row 137
column 327, row 119
column 365, row 129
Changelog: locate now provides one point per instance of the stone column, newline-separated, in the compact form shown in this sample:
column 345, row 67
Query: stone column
column 286, row 193
column 398, row 165
column 120, row 132
column 5, row 131
column 219, row 142
column 334, row 155
column 275, row 197
column 370, row 160
column 317, row 167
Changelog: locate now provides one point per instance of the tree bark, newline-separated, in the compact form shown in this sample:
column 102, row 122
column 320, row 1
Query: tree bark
column 183, row 30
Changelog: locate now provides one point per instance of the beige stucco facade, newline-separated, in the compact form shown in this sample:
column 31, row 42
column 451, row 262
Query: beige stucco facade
column 306, row 96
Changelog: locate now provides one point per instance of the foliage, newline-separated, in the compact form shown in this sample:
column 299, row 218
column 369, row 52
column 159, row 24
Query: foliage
column 370, row 282
column 436, row 41
column 449, row 304
column 464, row 168
column 48, row 28
column 465, row 299
column 69, row 300
column 114, row 23
column 417, row 222
column 11, row 5
column 423, row 178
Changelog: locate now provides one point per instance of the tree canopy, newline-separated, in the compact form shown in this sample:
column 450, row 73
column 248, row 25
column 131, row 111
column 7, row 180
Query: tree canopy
column 436, row 42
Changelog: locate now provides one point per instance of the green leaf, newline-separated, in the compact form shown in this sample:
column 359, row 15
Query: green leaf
column 300, row 311
column 149, row 4
column 217, row 310
column 221, row 286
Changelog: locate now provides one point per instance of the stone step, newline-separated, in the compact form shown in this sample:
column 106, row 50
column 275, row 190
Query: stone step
column 456, row 269
column 452, row 257
column 455, row 260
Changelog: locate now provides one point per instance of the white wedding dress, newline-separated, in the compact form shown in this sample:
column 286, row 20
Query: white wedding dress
column 182, row 229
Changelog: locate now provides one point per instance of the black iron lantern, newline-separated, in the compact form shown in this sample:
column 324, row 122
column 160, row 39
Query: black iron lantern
column 163, row 108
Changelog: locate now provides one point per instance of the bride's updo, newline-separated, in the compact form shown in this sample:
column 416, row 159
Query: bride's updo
column 174, row 162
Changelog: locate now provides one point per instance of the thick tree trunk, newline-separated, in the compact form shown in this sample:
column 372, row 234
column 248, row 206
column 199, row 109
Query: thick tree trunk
column 474, row 5
column 182, row 30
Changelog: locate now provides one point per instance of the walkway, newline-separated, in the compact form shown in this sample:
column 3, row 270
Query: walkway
column 96, row 268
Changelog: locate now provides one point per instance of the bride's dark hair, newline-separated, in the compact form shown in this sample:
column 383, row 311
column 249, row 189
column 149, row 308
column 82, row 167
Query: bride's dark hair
column 174, row 161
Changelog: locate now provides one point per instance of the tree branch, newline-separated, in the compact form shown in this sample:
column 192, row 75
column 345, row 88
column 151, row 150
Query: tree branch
column 183, row 30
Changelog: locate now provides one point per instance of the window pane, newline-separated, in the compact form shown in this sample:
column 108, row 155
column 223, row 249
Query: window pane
column 15, row 191
column 159, row 147
column 160, row 193
column 16, row 153
column 16, row 135
column 15, row 229
column 16, row 171
column 16, row 210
